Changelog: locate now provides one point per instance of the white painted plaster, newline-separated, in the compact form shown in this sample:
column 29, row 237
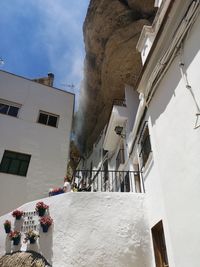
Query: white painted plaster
column 158, row 3
column 92, row 229
column 48, row 146
column 172, row 182
column 132, row 103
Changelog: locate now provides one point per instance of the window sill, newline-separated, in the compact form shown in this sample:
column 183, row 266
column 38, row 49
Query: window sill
column 55, row 127
column 12, row 174
column 16, row 117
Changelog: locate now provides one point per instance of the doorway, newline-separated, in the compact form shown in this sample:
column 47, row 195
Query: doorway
column 160, row 250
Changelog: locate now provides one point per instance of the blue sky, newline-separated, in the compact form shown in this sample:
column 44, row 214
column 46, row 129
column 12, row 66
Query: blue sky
column 41, row 36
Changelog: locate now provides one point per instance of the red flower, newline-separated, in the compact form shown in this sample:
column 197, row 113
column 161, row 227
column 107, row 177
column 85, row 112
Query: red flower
column 46, row 220
column 14, row 234
column 17, row 213
column 57, row 190
column 7, row 223
column 41, row 206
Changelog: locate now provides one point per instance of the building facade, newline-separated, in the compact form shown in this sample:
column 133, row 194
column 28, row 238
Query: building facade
column 160, row 135
column 35, row 127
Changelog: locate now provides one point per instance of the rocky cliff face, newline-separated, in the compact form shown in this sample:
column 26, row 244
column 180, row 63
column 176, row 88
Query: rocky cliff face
column 111, row 31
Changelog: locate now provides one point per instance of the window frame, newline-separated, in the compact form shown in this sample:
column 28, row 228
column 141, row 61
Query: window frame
column 159, row 245
column 48, row 114
column 145, row 144
column 10, row 105
column 16, row 157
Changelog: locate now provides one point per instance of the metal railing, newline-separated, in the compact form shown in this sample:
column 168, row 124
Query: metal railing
column 109, row 181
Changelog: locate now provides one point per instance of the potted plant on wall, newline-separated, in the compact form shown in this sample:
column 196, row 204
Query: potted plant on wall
column 17, row 214
column 45, row 223
column 7, row 226
column 31, row 236
column 56, row 191
column 41, row 208
column 15, row 236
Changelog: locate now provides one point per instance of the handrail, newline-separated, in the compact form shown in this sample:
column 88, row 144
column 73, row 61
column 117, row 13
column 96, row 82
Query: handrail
column 111, row 180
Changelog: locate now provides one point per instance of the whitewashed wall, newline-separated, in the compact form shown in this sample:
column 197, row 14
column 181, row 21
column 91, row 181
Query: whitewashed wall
column 173, row 184
column 92, row 229
column 132, row 103
column 48, row 146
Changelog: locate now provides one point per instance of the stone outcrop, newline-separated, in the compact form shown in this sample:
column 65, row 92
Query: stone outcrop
column 22, row 259
column 111, row 31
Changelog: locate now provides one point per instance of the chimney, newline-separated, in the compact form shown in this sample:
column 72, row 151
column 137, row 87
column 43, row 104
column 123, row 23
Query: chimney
column 51, row 78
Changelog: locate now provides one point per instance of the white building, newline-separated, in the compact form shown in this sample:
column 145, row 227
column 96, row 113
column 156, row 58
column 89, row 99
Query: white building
column 161, row 140
column 35, row 127
column 158, row 129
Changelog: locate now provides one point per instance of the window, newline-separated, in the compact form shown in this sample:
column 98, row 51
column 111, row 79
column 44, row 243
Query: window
column 160, row 251
column 15, row 163
column 48, row 119
column 9, row 108
column 145, row 144
column 120, row 156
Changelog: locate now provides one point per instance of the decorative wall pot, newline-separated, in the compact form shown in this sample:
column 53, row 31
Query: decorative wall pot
column 7, row 230
column 32, row 240
column 45, row 228
column 16, row 241
column 41, row 212
column 18, row 217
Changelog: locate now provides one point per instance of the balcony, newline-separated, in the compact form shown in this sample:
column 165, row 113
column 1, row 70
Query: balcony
column 109, row 181
column 118, row 117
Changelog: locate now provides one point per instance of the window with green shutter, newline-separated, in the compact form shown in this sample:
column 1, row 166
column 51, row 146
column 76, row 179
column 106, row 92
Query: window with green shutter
column 15, row 163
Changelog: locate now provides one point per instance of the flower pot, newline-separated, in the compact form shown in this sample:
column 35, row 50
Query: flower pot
column 7, row 230
column 16, row 241
column 32, row 240
column 18, row 217
column 41, row 212
column 45, row 228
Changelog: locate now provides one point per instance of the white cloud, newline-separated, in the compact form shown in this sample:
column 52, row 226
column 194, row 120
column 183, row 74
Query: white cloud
column 62, row 28
column 56, row 33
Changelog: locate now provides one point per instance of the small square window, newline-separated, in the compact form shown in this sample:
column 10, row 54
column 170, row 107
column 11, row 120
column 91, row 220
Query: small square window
column 52, row 121
column 3, row 108
column 48, row 119
column 13, row 111
column 9, row 108
column 43, row 118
